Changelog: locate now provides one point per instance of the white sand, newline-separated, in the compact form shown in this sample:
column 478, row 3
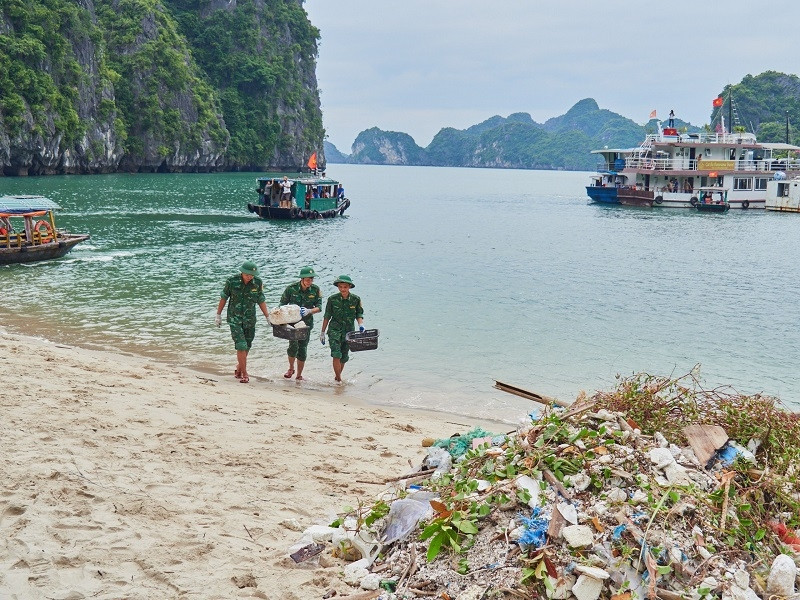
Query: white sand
column 125, row 478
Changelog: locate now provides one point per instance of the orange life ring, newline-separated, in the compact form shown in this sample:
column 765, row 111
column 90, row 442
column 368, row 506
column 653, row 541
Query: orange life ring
column 48, row 230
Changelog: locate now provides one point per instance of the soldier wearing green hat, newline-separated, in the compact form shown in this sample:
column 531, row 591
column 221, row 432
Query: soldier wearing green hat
column 245, row 291
column 308, row 297
column 341, row 313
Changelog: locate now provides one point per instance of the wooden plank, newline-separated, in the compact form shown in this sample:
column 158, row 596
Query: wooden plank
column 518, row 391
column 705, row 440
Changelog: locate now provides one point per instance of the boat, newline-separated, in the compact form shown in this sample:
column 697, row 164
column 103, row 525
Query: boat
column 28, row 231
column 312, row 198
column 608, row 179
column 675, row 165
column 709, row 202
column 783, row 194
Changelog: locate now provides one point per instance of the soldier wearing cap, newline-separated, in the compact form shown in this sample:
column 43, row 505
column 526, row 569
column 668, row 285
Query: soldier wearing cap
column 341, row 313
column 307, row 296
column 245, row 291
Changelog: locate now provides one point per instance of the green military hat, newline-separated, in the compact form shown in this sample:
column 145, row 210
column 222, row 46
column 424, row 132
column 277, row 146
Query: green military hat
column 307, row 272
column 344, row 279
column 249, row 268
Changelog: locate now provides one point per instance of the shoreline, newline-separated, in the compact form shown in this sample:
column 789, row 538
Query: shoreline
column 126, row 476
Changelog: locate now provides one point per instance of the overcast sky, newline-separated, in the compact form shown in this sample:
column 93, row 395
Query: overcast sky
column 419, row 65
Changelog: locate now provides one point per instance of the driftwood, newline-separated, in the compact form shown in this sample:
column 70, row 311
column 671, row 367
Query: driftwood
column 518, row 391
column 410, row 475
column 553, row 480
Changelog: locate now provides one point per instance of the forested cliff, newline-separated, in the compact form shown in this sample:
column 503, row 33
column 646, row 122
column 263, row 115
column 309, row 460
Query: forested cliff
column 96, row 86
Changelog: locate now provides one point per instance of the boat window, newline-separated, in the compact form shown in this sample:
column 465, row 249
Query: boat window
column 743, row 183
column 761, row 183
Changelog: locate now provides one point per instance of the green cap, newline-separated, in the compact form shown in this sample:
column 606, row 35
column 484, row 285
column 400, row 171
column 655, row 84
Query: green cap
column 307, row 272
column 249, row 268
column 344, row 279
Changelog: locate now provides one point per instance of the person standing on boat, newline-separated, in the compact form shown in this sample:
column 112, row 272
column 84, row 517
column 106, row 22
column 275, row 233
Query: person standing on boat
column 245, row 291
column 671, row 118
column 308, row 297
column 286, row 193
column 341, row 312
column 340, row 192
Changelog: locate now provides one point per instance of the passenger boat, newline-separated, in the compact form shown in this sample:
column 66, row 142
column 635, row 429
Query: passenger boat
column 28, row 231
column 312, row 198
column 712, row 200
column 608, row 178
column 674, row 166
column 783, row 194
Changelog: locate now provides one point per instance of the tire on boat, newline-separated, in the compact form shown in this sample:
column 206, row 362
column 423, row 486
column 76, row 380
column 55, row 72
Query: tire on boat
column 659, row 199
column 293, row 212
column 250, row 207
column 745, row 204
column 694, row 201
column 315, row 214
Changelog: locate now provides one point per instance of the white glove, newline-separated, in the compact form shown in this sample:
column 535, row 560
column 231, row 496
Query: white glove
column 322, row 337
column 304, row 312
column 218, row 320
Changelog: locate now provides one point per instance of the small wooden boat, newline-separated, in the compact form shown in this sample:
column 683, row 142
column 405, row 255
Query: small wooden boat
column 311, row 198
column 631, row 196
column 712, row 200
column 28, row 231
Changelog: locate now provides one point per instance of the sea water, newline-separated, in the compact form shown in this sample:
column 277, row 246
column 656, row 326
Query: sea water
column 471, row 276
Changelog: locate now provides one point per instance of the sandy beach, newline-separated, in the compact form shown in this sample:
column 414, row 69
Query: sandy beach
column 124, row 477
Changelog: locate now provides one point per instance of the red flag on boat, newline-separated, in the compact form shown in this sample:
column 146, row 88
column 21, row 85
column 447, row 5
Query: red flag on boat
column 312, row 161
column 718, row 102
column 652, row 114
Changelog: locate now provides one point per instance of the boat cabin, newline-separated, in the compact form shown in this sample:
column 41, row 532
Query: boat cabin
column 26, row 221
column 308, row 193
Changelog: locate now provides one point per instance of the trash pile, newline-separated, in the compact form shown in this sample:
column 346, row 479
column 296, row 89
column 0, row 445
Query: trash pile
column 584, row 502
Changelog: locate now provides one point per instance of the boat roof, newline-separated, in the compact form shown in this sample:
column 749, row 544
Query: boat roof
column 780, row 146
column 25, row 204
column 307, row 180
column 615, row 150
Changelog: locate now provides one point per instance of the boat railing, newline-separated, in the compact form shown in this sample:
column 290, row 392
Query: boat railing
column 691, row 164
column 703, row 138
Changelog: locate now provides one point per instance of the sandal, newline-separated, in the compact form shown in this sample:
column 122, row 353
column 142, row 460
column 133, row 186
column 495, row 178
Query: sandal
column 289, row 374
column 299, row 378
column 244, row 379
column 237, row 373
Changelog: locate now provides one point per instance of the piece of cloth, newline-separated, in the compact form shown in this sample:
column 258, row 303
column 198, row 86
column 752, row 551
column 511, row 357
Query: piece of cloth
column 243, row 299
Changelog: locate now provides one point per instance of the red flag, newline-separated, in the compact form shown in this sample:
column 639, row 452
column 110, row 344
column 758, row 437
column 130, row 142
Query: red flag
column 312, row 161
column 718, row 102
column 652, row 114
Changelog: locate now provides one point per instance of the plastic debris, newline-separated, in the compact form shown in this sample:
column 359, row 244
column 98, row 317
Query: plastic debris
column 403, row 518
column 535, row 533
column 458, row 445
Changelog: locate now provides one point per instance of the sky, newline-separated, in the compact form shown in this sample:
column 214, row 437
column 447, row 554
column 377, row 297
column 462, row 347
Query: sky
column 417, row 66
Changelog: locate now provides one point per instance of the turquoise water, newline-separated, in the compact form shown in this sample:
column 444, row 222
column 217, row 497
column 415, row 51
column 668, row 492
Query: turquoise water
column 470, row 275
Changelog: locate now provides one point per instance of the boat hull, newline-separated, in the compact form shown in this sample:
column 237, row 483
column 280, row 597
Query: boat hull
column 297, row 214
column 712, row 208
column 633, row 197
column 39, row 252
column 605, row 195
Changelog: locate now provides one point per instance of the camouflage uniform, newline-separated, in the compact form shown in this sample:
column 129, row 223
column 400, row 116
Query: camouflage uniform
column 243, row 299
column 342, row 315
column 310, row 298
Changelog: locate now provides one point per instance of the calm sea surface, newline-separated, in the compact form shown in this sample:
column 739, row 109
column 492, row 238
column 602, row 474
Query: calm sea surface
column 470, row 275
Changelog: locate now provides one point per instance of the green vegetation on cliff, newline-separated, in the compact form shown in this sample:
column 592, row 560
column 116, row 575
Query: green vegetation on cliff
column 38, row 70
column 252, row 56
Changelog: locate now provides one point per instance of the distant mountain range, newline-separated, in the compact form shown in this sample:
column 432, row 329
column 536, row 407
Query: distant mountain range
column 760, row 104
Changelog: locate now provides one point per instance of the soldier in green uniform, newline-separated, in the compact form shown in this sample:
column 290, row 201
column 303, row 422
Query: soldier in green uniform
column 245, row 291
column 307, row 296
column 341, row 312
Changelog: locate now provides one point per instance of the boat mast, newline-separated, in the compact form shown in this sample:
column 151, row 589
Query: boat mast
column 730, row 110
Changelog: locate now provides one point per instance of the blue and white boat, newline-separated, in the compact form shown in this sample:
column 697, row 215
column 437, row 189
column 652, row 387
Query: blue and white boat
column 609, row 177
